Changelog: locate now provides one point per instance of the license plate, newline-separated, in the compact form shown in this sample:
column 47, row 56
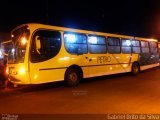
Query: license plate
column 11, row 69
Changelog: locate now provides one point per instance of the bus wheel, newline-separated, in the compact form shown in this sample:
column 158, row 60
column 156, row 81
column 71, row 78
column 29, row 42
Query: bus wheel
column 135, row 68
column 72, row 77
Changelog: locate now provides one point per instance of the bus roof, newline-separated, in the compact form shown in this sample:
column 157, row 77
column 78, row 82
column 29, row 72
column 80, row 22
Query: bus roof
column 146, row 39
column 37, row 26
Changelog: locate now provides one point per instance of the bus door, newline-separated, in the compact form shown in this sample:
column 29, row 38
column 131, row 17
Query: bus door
column 127, row 54
column 145, row 53
column 100, row 62
column 117, row 58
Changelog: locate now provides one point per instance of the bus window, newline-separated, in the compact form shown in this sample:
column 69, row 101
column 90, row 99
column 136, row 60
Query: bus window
column 153, row 46
column 97, row 44
column 145, row 46
column 45, row 45
column 126, row 46
column 113, row 45
column 135, row 46
column 19, row 38
column 75, row 43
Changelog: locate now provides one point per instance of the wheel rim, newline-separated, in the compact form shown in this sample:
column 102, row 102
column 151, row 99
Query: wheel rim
column 73, row 76
column 135, row 69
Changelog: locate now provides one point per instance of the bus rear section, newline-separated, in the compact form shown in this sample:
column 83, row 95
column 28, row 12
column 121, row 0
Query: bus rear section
column 149, row 55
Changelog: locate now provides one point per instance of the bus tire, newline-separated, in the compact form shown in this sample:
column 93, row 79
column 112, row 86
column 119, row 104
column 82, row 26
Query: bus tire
column 72, row 77
column 135, row 69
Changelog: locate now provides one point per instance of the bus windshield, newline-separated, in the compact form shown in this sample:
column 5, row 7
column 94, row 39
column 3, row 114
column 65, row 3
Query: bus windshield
column 19, row 37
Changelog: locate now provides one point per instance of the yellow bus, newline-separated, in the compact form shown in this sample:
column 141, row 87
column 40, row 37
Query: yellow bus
column 44, row 53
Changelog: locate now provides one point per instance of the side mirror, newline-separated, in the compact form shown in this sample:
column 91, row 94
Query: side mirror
column 38, row 44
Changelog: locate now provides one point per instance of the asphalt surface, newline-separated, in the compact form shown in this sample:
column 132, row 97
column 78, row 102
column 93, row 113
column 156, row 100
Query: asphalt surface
column 119, row 94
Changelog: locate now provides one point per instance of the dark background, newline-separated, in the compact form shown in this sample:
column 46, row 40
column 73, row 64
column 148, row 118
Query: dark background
column 130, row 17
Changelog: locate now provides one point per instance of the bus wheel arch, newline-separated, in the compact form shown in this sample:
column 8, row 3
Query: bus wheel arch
column 135, row 69
column 73, row 75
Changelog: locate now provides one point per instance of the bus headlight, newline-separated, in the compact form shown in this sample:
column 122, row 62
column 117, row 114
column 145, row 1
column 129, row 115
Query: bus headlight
column 22, row 70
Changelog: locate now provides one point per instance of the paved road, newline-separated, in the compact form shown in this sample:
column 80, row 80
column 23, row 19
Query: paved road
column 111, row 94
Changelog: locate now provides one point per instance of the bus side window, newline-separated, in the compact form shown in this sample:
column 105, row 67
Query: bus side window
column 113, row 45
column 75, row 43
column 45, row 45
column 97, row 44
column 145, row 46
column 126, row 45
column 136, row 46
column 153, row 47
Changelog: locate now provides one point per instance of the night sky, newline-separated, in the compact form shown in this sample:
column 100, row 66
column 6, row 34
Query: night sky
column 130, row 17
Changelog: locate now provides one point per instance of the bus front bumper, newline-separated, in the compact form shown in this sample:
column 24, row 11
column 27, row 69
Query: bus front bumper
column 14, row 80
